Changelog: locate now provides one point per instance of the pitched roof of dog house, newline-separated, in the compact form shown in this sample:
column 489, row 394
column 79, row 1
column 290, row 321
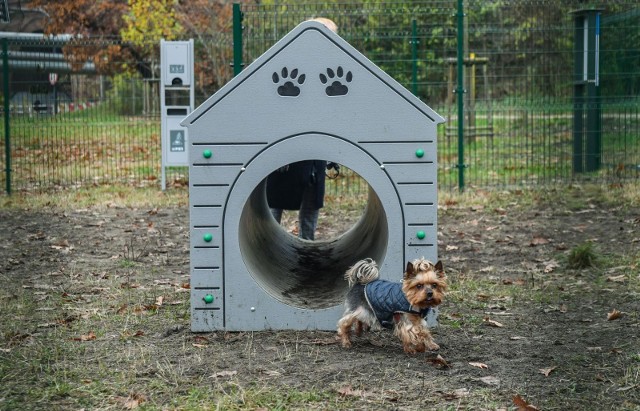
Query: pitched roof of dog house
column 312, row 81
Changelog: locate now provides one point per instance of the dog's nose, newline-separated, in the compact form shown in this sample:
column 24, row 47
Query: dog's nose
column 429, row 293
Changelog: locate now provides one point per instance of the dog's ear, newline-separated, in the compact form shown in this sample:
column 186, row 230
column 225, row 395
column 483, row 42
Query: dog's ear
column 439, row 269
column 409, row 272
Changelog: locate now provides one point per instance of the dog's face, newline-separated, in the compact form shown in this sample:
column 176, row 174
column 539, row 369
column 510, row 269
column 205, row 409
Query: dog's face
column 424, row 284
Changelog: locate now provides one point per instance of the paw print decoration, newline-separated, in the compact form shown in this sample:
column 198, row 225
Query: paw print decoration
column 289, row 82
column 337, row 86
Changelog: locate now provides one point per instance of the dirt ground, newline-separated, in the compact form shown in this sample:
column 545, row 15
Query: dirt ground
column 518, row 326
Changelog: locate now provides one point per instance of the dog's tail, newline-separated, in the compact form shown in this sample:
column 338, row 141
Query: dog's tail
column 362, row 272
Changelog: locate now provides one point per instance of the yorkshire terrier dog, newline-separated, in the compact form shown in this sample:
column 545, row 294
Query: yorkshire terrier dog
column 372, row 302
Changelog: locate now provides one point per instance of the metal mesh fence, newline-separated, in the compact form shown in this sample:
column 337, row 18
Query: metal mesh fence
column 519, row 80
column 75, row 123
column 529, row 116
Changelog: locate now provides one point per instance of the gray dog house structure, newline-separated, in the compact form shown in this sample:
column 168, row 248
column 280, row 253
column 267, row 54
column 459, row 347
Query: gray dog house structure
column 310, row 96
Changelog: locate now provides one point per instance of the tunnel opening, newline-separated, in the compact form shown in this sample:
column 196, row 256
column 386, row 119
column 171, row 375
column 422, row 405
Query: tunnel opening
column 301, row 273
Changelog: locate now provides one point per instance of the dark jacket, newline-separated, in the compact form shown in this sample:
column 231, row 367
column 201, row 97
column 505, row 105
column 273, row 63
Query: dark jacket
column 386, row 298
column 286, row 185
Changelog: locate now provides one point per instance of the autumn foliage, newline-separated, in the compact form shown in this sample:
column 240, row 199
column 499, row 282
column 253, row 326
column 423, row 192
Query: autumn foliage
column 133, row 29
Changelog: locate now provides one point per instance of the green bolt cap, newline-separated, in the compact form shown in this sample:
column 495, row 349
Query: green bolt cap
column 207, row 237
column 207, row 154
column 208, row 299
column 420, row 235
column 419, row 153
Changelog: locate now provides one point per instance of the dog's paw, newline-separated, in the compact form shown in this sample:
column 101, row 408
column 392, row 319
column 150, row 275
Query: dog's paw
column 433, row 346
column 344, row 339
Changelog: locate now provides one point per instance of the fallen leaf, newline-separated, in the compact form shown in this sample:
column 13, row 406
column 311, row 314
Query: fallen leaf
column 159, row 301
column 479, row 365
column 224, row 374
column 547, row 371
column 58, row 245
column 538, row 241
column 348, row 391
column 37, row 236
column 134, row 401
column 509, row 281
column 492, row 323
column 457, row 394
column 522, row 405
column 490, row 380
column 550, row 266
column 439, row 362
column 199, row 345
column 451, row 247
column 614, row 315
column 617, row 278
column 86, row 337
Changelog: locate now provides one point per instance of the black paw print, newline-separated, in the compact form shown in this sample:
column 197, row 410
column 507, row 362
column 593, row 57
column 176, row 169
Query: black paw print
column 288, row 89
column 336, row 88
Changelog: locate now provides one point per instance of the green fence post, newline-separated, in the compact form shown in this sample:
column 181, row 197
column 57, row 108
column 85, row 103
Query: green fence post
column 587, row 104
column 578, row 94
column 414, row 57
column 594, row 110
column 7, row 129
column 237, row 39
column 460, row 94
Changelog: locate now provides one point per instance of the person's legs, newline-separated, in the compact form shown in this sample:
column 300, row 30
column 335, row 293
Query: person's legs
column 277, row 214
column 308, row 215
column 308, row 220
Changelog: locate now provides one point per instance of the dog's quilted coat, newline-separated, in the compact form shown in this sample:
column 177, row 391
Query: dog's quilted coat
column 386, row 298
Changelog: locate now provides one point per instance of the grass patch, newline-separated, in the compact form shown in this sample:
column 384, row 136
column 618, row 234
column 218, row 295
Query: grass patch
column 583, row 256
column 103, row 196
